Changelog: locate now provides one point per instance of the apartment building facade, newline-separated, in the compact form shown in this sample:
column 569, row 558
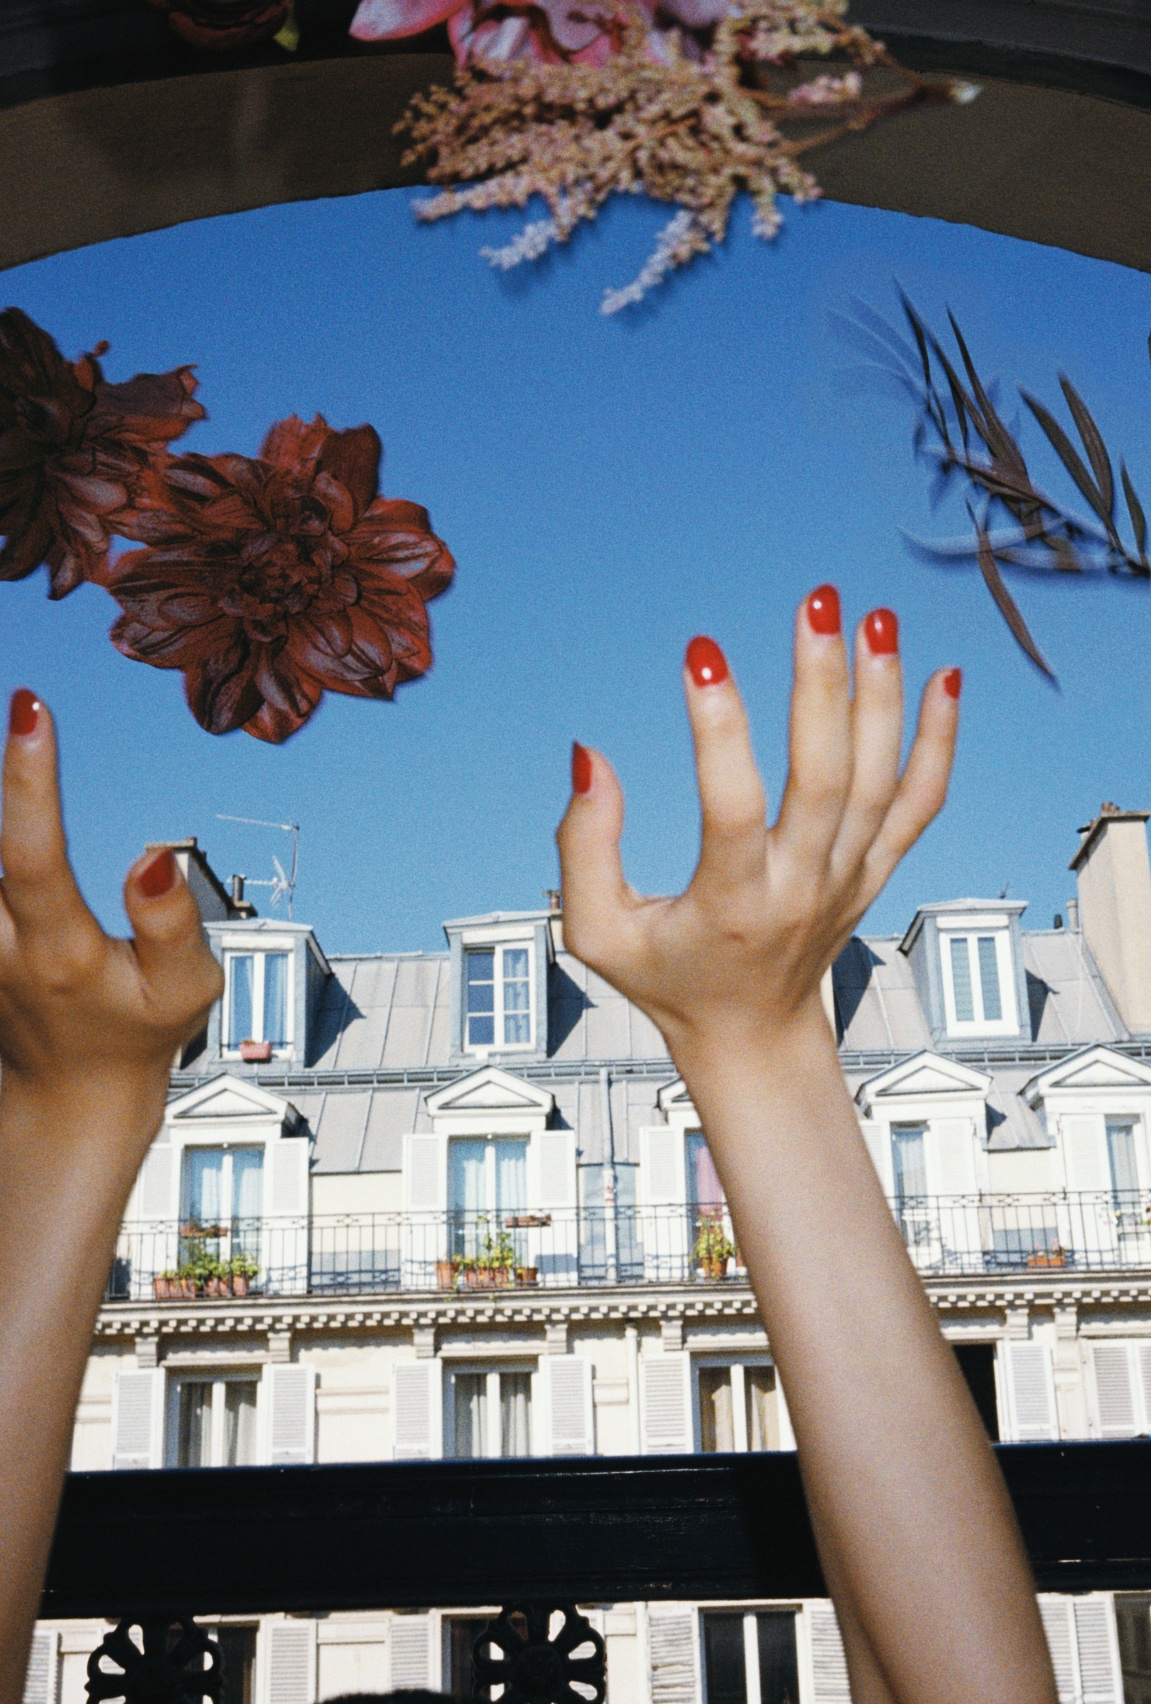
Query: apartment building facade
column 457, row 1204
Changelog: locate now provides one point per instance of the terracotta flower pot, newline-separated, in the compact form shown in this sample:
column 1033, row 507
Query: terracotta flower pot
column 446, row 1271
column 218, row 1286
column 527, row 1274
column 713, row 1268
column 174, row 1289
column 489, row 1277
column 255, row 1052
column 1047, row 1257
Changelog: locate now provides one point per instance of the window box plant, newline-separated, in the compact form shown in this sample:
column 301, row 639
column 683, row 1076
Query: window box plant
column 1054, row 1256
column 527, row 1275
column 255, row 1052
column 174, row 1287
column 712, row 1249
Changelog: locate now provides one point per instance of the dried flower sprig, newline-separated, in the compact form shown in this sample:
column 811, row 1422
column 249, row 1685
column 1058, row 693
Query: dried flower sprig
column 676, row 128
column 1017, row 525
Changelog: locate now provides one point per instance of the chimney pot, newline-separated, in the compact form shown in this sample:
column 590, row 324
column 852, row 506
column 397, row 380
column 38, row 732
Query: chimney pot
column 1058, row 920
column 238, row 890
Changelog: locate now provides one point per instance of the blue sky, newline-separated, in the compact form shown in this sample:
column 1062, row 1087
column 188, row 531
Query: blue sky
column 609, row 488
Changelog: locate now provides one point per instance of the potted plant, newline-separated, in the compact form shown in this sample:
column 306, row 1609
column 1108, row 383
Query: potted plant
column 1053, row 1256
column 448, row 1272
column 527, row 1274
column 173, row 1286
column 713, row 1249
column 255, row 1052
column 242, row 1269
column 495, row 1262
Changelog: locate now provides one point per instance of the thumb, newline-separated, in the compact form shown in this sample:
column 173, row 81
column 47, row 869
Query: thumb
column 596, row 898
column 168, row 938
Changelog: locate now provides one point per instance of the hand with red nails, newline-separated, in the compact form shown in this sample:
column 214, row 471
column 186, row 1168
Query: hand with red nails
column 916, row 1535
column 89, row 1027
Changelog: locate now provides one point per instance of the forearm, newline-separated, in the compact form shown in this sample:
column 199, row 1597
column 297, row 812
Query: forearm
column 907, row 1500
column 60, row 1208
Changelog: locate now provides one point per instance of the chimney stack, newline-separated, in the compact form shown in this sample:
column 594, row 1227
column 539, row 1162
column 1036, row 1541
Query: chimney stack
column 1114, row 875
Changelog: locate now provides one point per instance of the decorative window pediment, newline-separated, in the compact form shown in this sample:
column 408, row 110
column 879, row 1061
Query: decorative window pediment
column 1094, row 1070
column 926, row 1076
column 675, row 1103
column 230, row 1098
column 487, row 1098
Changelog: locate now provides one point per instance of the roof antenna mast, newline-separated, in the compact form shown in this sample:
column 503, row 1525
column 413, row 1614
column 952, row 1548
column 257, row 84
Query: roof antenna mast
column 282, row 886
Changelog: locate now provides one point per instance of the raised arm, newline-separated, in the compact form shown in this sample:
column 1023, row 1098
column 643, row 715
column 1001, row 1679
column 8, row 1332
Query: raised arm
column 88, row 1030
column 915, row 1531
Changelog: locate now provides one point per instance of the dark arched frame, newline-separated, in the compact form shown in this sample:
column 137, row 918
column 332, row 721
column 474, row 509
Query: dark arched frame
column 108, row 128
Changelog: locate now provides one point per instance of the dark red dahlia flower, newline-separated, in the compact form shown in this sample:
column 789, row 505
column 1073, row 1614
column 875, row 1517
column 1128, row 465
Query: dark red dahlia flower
column 221, row 25
column 73, row 450
column 268, row 581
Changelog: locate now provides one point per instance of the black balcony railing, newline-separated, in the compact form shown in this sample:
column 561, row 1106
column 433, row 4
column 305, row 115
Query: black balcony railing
column 370, row 1253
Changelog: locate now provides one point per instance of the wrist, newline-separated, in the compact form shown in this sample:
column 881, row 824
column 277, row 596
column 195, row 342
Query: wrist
column 745, row 1040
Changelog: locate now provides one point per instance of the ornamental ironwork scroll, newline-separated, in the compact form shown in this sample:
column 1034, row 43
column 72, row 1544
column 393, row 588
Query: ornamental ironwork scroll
column 172, row 1661
column 533, row 1665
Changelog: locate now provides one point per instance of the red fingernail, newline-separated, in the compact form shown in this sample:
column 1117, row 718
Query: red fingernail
column 881, row 630
column 24, row 712
column 823, row 610
column 581, row 768
column 953, row 682
column 158, row 875
column 706, row 663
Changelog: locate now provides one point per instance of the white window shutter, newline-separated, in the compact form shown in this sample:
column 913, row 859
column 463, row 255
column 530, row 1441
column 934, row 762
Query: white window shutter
column 1144, row 1356
column 138, row 1419
column 291, row 1662
column 663, row 1166
column 41, row 1682
column 1114, row 1395
column 1084, row 1152
column 425, row 1173
column 411, row 1652
column 1059, row 1628
column 292, row 1416
column 155, row 1197
column 567, row 1383
column 1031, row 1392
column 287, row 1166
column 665, row 1403
column 556, row 1160
column 417, row 1410
column 673, row 1649
column 829, row 1683
column 951, row 1156
column 1100, row 1677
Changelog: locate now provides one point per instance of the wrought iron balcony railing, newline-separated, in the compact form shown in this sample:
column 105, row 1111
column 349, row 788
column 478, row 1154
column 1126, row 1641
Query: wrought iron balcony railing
column 525, row 1249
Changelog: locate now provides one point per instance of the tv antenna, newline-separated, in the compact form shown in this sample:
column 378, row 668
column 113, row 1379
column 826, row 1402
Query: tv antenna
column 283, row 885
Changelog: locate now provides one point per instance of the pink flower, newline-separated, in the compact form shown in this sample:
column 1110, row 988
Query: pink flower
column 550, row 31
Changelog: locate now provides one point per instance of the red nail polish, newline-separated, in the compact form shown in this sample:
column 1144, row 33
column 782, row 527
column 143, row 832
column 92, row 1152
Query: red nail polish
column 881, row 630
column 706, row 663
column 157, row 876
column 24, row 712
column 823, row 610
column 953, row 682
column 581, row 768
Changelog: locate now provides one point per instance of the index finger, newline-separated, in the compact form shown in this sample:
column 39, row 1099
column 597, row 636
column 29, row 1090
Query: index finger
column 39, row 888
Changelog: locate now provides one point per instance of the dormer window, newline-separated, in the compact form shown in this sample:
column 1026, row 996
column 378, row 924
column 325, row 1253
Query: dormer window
column 257, row 1003
column 978, row 980
column 499, row 997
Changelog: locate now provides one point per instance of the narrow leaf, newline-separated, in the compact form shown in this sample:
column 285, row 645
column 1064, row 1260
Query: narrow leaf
column 998, row 439
column 1092, row 443
column 1135, row 510
column 989, row 568
column 1068, row 455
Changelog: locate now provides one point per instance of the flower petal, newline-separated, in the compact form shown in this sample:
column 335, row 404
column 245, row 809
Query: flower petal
column 381, row 20
column 353, row 457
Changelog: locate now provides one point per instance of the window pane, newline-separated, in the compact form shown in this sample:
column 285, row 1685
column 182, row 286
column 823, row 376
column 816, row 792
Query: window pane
column 481, row 1001
column 762, row 1416
column 515, row 1414
column 716, row 1431
column 194, row 1428
column 240, row 1423
column 511, row 1176
column 463, row 1631
column 778, row 1661
column 907, row 1156
column 961, row 979
column 1121, row 1155
column 241, row 967
column 467, row 1192
column 471, row 1396
column 238, row 1649
column 704, row 1187
column 247, row 1200
column 275, row 999
column 202, row 1200
column 989, row 978
column 725, row 1665
column 517, row 997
